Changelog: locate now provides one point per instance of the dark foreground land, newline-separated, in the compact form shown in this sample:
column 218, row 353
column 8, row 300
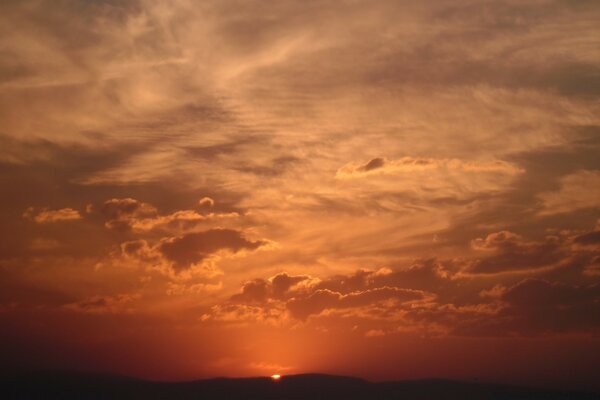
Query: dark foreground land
column 53, row 385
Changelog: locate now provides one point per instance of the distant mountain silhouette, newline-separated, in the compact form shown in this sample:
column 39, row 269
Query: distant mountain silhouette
column 60, row 385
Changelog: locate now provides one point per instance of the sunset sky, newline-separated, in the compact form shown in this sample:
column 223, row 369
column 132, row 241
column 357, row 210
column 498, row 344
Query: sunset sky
column 383, row 189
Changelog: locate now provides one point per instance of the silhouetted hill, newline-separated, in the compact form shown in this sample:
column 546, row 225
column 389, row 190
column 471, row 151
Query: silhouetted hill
column 57, row 385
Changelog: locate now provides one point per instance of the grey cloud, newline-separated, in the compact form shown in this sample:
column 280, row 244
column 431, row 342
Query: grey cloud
column 122, row 213
column 192, row 248
column 322, row 299
column 591, row 238
column 537, row 306
column 373, row 164
column 510, row 252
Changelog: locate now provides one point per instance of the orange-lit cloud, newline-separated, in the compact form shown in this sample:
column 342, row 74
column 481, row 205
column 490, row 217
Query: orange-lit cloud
column 48, row 216
column 409, row 164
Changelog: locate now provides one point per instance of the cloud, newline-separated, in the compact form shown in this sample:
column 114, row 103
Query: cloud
column 497, row 241
column 539, row 305
column 281, row 286
column 421, row 183
column 174, row 289
column 133, row 215
column 529, row 307
column 589, row 240
column 121, row 214
column 509, row 252
column 184, row 251
column 46, row 216
column 301, row 296
column 189, row 254
column 412, row 165
column 206, row 202
column 578, row 190
column 104, row 304
column 323, row 299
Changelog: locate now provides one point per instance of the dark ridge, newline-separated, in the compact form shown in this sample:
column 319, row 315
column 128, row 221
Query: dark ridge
column 63, row 385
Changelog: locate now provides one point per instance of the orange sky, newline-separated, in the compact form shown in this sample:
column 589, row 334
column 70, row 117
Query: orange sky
column 386, row 189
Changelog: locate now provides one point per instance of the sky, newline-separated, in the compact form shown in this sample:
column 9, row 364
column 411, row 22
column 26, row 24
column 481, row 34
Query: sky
column 383, row 189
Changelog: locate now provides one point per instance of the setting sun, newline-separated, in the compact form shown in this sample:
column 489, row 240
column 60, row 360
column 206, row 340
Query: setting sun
column 276, row 377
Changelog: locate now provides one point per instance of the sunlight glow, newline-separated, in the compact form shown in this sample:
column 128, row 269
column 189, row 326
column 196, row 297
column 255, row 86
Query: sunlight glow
column 276, row 377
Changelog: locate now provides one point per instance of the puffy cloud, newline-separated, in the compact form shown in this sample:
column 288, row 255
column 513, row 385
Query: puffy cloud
column 255, row 291
column 192, row 248
column 206, row 202
column 439, row 297
column 281, row 286
column 140, row 250
column 130, row 214
column 46, row 216
column 323, row 299
column 508, row 252
column 528, row 307
column 121, row 214
column 188, row 255
column 497, row 241
column 302, row 296
column 246, row 313
column 126, row 208
column 183, row 220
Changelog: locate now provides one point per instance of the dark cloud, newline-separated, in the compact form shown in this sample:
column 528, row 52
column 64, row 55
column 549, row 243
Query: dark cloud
column 509, row 252
column 591, row 238
column 323, row 299
column 255, row 291
column 183, row 251
column 45, row 174
column 529, row 307
column 261, row 290
column 281, row 284
column 537, row 293
column 538, row 306
column 124, row 208
column 304, row 296
column 122, row 213
column 373, row 164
